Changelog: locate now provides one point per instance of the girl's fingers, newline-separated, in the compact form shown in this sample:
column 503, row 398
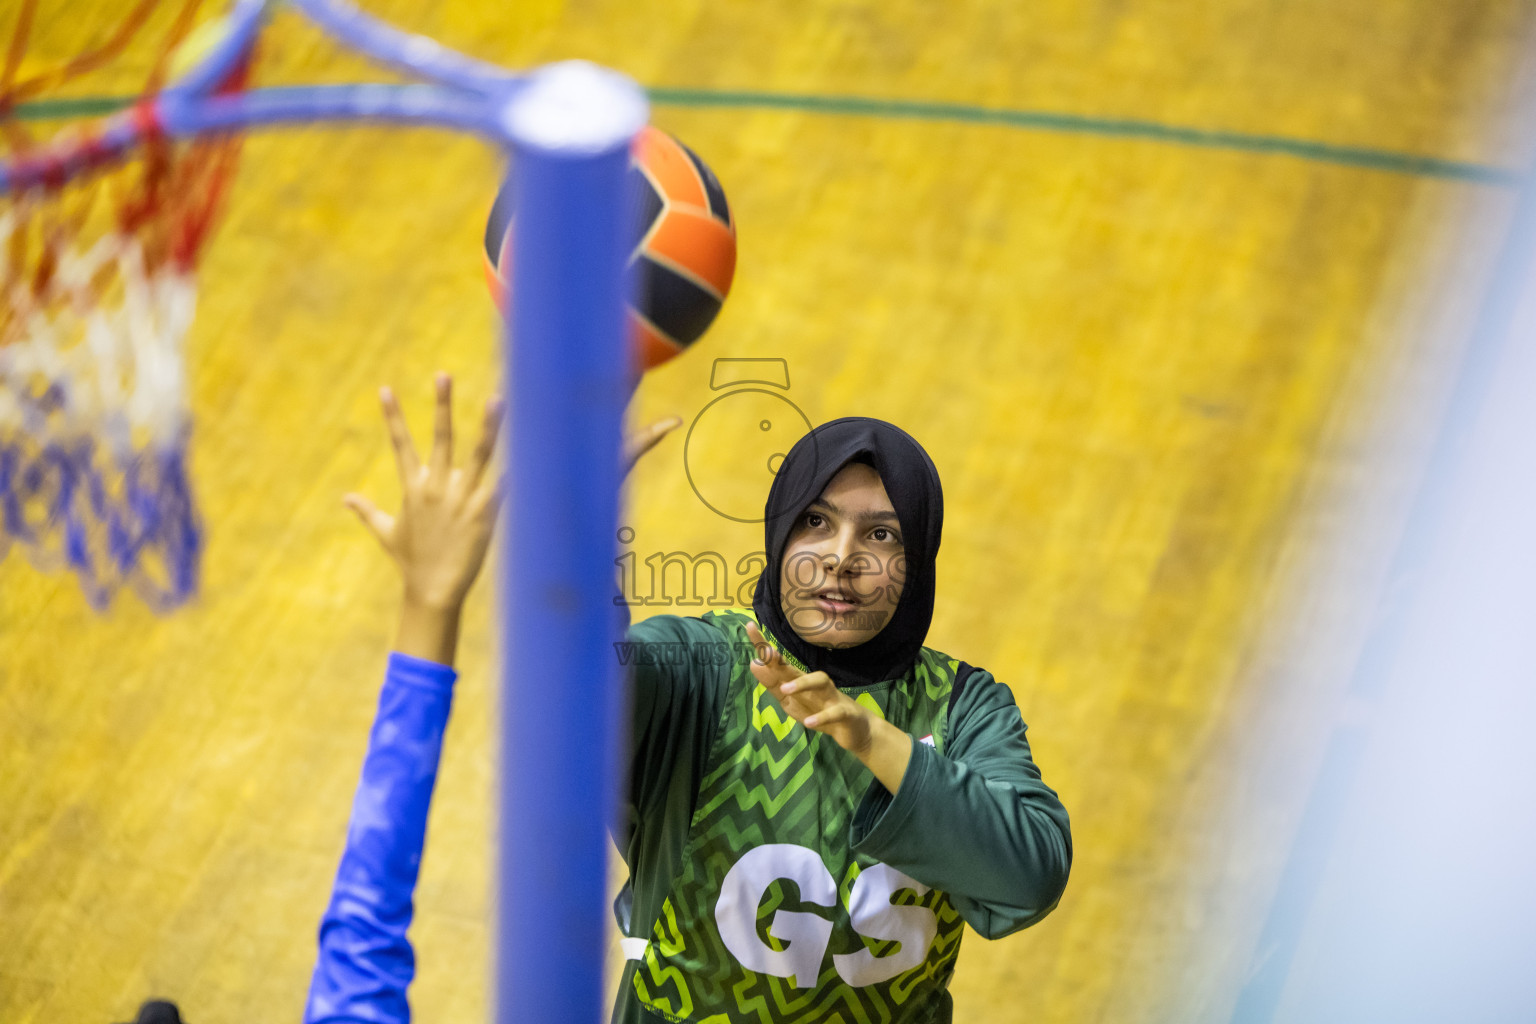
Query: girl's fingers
column 772, row 659
column 646, row 438
column 492, row 488
column 827, row 716
column 767, row 656
column 814, row 685
column 771, row 679
column 487, row 497
column 756, row 639
column 490, row 429
column 441, row 459
column 399, row 436
column 771, row 656
column 379, row 523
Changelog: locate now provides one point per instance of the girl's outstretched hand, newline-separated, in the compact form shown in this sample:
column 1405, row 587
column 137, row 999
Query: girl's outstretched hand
column 814, row 700
column 440, row 536
column 811, row 699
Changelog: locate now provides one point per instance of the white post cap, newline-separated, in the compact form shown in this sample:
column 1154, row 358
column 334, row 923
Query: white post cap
column 575, row 106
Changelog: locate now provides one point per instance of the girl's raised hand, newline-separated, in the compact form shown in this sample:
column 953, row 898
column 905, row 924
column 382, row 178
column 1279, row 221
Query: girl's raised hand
column 440, row 536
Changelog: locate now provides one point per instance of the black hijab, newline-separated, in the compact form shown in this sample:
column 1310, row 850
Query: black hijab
column 912, row 483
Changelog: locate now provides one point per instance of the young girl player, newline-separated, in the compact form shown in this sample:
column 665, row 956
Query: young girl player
column 816, row 801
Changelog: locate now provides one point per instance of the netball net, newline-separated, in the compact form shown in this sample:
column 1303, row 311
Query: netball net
column 98, row 252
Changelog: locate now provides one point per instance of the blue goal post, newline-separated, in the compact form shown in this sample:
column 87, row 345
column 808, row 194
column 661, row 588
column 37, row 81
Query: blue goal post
column 568, row 128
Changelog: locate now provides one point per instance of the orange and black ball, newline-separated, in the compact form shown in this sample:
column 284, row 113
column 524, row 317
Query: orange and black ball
column 684, row 253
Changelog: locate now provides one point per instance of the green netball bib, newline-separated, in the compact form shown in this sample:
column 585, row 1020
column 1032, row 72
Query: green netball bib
column 772, row 917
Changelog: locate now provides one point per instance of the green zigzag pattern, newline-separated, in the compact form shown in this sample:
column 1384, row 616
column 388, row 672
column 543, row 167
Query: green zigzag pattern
column 773, row 781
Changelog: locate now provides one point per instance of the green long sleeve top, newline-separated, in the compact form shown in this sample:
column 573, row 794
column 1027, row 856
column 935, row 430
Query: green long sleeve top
column 972, row 818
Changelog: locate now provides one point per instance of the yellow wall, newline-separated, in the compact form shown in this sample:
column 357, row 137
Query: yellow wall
column 1136, row 361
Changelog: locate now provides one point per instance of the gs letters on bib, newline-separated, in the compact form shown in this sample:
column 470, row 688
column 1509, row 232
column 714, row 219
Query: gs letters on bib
column 870, row 910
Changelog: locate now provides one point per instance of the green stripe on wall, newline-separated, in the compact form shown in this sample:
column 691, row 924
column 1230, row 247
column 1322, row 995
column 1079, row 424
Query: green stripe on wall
column 1320, row 152
column 961, row 113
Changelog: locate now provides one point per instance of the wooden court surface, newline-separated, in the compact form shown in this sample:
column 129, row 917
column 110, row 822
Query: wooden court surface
column 1143, row 366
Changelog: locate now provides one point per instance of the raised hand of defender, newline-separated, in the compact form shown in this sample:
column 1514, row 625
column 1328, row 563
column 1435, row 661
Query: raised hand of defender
column 439, row 538
column 811, row 699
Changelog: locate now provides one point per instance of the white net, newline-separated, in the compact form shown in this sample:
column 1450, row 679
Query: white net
column 102, row 219
column 94, row 414
column 113, row 371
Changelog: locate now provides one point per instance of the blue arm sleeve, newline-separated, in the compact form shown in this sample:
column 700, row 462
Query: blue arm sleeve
column 366, row 963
